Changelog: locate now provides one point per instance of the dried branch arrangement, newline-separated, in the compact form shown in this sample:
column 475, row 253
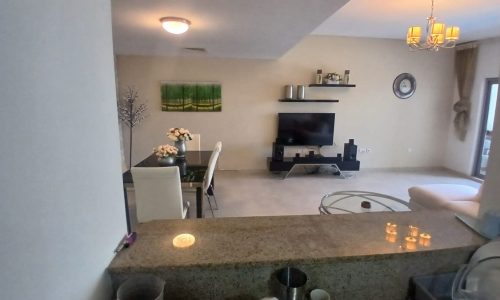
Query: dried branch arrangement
column 131, row 113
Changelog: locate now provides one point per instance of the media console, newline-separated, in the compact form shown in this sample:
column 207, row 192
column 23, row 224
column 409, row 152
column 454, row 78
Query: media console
column 278, row 163
column 288, row 162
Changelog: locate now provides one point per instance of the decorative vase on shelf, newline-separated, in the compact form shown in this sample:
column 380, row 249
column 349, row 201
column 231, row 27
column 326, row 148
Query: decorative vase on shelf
column 166, row 161
column 181, row 148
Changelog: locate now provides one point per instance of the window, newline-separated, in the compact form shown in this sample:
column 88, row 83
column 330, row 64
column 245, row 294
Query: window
column 488, row 117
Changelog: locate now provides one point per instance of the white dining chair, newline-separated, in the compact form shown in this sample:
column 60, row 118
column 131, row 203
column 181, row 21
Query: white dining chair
column 158, row 194
column 195, row 143
column 209, row 174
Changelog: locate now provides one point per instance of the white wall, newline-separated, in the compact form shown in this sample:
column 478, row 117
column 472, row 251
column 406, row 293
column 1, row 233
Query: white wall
column 401, row 133
column 460, row 155
column 61, row 207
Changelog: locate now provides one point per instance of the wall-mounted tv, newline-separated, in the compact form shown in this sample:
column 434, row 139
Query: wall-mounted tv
column 306, row 129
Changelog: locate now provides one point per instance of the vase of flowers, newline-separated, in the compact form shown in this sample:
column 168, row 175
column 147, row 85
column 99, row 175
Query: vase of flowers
column 179, row 136
column 166, row 154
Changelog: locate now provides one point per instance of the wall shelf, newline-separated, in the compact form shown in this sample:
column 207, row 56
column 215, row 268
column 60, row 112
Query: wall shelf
column 332, row 85
column 308, row 100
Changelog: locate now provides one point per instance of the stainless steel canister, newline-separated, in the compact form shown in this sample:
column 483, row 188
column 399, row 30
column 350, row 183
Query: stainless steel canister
column 288, row 91
column 292, row 283
column 301, row 92
column 145, row 287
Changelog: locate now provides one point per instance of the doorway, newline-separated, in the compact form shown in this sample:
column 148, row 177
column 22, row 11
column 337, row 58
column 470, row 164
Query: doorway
column 486, row 128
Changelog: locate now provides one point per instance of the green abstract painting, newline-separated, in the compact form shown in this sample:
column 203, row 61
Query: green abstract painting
column 191, row 97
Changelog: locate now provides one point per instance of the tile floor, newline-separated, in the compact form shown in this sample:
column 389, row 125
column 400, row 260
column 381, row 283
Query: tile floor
column 261, row 193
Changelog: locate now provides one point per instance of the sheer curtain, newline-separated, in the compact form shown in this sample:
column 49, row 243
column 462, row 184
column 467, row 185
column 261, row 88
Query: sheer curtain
column 465, row 69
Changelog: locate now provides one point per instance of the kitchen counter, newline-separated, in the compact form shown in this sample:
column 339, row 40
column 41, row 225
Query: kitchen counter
column 234, row 252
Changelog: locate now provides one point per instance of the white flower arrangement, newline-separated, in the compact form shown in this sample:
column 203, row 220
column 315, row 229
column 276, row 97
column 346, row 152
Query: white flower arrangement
column 179, row 134
column 165, row 151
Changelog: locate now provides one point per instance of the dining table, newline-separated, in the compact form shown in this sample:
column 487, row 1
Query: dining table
column 192, row 168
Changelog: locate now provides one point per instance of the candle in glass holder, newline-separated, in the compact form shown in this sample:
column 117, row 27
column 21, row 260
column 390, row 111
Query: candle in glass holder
column 391, row 227
column 391, row 236
column 425, row 239
column 413, row 231
column 410, row 243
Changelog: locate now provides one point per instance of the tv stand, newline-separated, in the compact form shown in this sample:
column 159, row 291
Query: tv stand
column 295, row 166
column 289, row 164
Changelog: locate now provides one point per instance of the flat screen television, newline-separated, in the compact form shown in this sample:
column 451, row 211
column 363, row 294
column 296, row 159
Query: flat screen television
column 306, row 129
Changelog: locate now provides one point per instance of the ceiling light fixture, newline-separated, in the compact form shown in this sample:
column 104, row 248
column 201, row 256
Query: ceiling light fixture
column 175, row 25
column 183, row 240
column 437, row 35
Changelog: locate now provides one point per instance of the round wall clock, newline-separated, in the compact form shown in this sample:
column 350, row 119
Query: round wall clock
column 404, row 85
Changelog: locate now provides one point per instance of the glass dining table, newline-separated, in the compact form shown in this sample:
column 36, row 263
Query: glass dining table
column 192, row 170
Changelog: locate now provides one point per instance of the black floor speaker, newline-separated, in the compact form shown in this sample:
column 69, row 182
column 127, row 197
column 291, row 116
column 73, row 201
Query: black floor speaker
column 278, row 152
column 350, row 151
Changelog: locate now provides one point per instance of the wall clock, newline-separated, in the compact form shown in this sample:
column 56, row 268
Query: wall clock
column 404, row 85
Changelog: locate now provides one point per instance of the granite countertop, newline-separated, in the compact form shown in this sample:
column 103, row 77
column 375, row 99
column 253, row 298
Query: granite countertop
column 287, row 239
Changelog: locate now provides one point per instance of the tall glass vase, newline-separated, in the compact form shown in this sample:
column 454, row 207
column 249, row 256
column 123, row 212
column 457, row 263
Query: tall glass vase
column 181, row 148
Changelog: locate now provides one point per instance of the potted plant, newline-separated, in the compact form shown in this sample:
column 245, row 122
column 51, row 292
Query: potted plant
column 179, row 136
column 166, row 154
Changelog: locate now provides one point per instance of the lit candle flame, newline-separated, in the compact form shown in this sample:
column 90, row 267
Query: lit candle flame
column 391, row 236
column 413, row 231
column 425, row 239
column 390, row 227
column 410, row 243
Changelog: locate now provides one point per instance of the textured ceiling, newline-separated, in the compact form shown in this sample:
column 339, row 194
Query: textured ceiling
column 225, row 28
column 478, row 19
column 268, row 28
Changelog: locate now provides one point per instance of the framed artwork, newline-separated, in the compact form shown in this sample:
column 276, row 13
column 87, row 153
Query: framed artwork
column 191, row 96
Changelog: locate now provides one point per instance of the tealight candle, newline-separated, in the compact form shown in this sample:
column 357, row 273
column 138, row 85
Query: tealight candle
column 425, row 239
column 391, row 236
column 410, row 243
column 390, row 227
column 413, row 231
column 183, row 240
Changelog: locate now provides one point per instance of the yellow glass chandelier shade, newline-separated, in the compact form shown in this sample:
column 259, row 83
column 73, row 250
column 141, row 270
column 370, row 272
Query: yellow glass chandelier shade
column 438, row 39
column 414, row 34
column 436, row 35
column 452, row 33
column 438, row 29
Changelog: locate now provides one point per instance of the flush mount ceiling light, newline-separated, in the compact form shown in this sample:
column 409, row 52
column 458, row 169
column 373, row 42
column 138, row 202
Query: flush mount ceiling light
column 183, row 240
column 437, row 35
column 175, row 25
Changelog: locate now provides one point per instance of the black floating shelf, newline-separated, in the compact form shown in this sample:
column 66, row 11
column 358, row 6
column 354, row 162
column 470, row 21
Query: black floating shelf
column 308, row 100
column 332, row 85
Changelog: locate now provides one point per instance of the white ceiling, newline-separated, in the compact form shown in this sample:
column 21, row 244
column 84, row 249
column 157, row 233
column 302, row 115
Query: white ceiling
column 268, row 28
column 225, row 28
column 477, row 19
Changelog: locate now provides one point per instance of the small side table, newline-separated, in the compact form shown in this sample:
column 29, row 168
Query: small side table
column 360, row 202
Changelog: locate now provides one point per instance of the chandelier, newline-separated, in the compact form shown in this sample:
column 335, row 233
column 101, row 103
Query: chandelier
column 437, row 35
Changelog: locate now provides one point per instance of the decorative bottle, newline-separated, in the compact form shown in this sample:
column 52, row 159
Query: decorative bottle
column 319, row 76
column 346, row 77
